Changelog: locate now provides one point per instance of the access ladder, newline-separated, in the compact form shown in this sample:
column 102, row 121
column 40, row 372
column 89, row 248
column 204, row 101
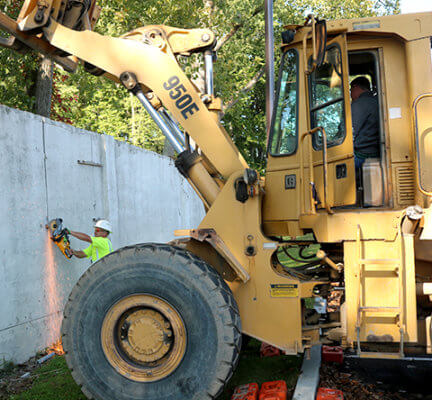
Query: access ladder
column 395, row 267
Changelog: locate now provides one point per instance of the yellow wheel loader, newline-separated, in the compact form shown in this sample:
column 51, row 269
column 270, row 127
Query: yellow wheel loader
column 164, row 321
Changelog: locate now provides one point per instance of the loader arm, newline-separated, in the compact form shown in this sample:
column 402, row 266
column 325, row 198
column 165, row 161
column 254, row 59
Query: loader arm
column 157, row 69
column 149, row 54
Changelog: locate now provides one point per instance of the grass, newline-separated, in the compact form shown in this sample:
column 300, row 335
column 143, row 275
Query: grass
column 252, row 368
column 53, row 380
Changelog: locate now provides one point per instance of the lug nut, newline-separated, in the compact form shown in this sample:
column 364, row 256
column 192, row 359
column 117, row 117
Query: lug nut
column 205, row 38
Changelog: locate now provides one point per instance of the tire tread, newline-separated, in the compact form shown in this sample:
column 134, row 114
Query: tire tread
column 218, row 287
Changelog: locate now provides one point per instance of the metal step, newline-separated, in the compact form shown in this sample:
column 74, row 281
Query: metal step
column 382, row 261
column 379, row 309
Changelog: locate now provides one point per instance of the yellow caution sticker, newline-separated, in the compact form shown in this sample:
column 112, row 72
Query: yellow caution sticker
column 284, row 290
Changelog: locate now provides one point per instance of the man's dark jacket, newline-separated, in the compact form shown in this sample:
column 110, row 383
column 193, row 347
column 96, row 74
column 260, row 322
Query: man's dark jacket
column 365, row 122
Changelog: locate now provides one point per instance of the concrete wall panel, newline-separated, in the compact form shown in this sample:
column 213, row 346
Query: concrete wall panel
column 140, row 179
column 140, row 192
column 22, row 212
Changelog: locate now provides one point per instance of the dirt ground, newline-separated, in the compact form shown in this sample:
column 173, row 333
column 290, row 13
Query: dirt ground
column 15, row 379
column 356, row 386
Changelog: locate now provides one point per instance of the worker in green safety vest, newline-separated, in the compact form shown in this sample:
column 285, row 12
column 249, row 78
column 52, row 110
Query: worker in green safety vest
column 100, row 245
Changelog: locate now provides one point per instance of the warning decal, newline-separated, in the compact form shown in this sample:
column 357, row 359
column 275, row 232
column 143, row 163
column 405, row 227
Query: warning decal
column 284, row 290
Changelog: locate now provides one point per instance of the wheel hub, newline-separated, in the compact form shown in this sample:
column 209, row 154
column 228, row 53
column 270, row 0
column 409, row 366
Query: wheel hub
column 148, row 336
column 143, row 338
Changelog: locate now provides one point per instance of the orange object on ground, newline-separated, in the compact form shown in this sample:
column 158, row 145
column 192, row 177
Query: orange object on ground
column 267, row 350
column 329, row 394
column 246, row 392
column 276, row 390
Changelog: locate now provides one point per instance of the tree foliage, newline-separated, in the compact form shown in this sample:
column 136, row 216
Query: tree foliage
column 99, row 105
column 245, row 51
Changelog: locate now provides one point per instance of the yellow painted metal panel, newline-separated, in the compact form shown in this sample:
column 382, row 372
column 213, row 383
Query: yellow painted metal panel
column 273, row 319
column 342, row 225
column 281, row 203
column 400, row 129
column 418, row 55
column 405, row 26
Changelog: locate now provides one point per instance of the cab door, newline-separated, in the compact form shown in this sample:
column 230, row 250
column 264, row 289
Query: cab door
column 319, row 100
column 334, row 180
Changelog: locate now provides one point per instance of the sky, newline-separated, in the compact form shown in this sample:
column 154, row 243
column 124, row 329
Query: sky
column 410, row 6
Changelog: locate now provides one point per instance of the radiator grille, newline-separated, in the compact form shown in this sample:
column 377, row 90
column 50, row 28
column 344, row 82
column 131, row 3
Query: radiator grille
column 405, row 185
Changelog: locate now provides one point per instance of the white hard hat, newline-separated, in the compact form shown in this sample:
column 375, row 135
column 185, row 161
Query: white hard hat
column 103, row 224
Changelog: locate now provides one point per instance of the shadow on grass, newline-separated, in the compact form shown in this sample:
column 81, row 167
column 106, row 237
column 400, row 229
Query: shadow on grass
column 252, row 368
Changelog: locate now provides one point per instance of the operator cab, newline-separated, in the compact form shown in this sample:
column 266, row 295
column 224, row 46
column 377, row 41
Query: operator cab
column 310, row 167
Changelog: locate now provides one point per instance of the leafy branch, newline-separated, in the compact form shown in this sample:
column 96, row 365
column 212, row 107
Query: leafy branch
column 236, row 27
column 245, row 90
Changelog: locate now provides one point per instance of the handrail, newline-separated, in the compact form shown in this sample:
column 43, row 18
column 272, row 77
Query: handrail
column 311, row 173
column 401, row 275
column 415, row 104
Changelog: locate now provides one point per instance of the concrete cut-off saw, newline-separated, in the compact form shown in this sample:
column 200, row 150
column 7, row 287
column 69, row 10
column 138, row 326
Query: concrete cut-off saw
column 60, row 236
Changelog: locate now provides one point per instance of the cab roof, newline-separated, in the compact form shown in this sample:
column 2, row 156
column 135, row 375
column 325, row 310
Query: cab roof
column 406, row 26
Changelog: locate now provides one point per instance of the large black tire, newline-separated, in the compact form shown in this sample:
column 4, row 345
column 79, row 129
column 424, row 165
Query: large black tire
column 203, row 300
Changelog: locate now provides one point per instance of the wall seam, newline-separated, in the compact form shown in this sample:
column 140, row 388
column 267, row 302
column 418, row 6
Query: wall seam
column 45, row 169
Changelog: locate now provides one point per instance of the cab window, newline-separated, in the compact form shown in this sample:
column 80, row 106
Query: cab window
column 284, row 127
column 327, row 99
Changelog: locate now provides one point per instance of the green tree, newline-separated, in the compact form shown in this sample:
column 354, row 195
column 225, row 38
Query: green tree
column 96, row 104
column 32, row 91
column 243, row 56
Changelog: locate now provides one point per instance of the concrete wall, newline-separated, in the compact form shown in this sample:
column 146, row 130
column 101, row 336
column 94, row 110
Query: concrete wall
column 50, row 170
